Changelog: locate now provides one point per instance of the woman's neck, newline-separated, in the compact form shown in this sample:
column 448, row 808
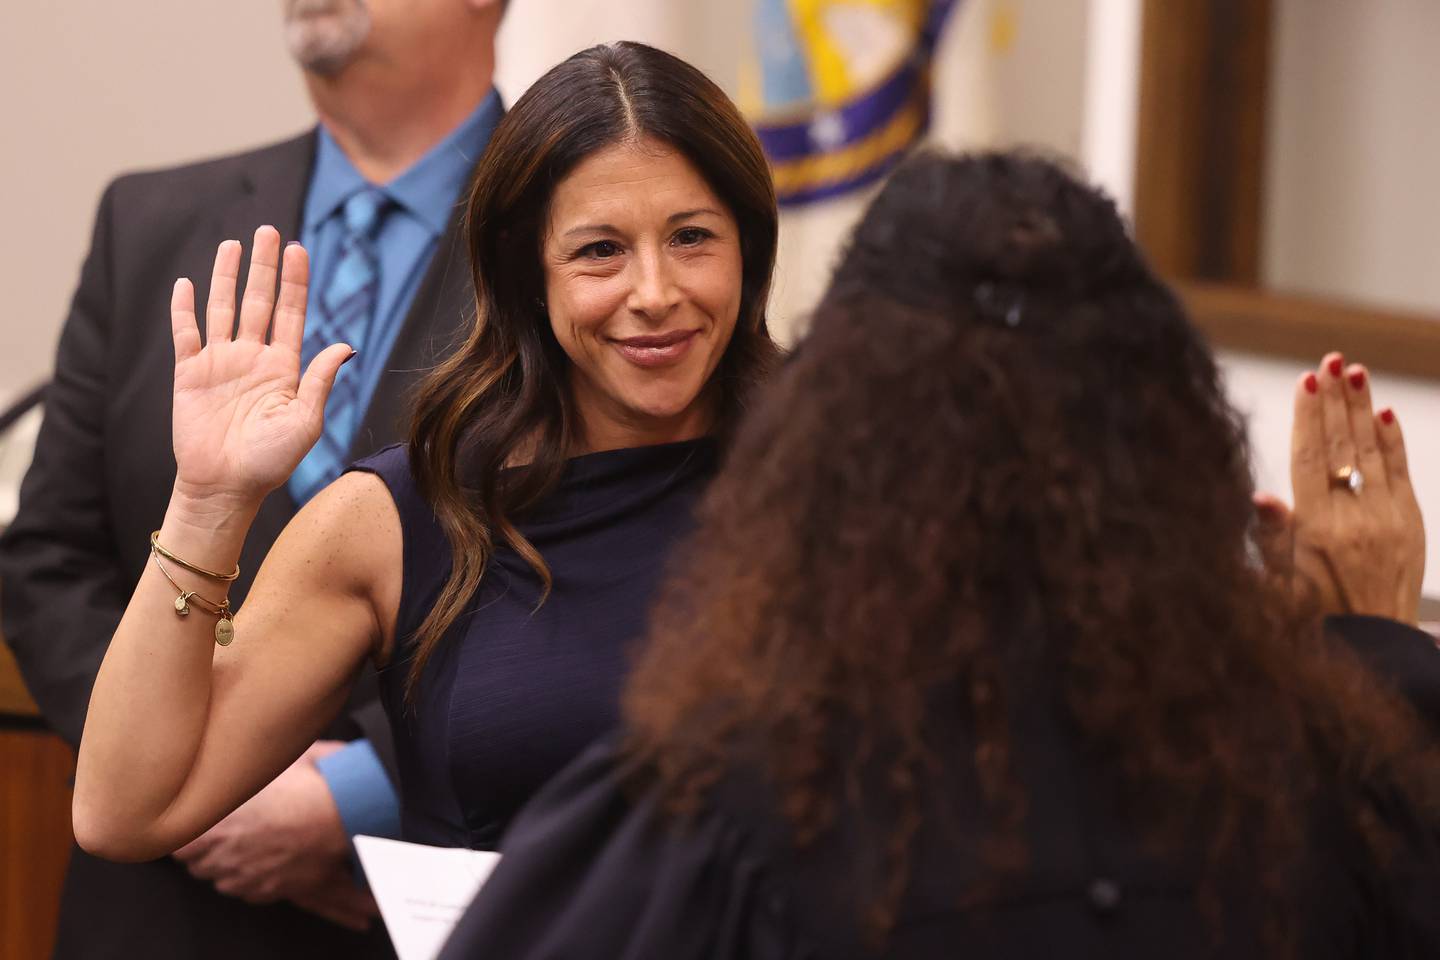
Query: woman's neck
column 601, row 429
column 595, row 436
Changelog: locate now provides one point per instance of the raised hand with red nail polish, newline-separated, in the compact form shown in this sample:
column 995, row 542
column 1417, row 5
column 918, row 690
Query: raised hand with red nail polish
column 1355, row 540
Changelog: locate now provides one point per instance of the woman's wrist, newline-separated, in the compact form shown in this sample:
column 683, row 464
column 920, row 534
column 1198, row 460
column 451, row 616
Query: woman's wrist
column 207, row 529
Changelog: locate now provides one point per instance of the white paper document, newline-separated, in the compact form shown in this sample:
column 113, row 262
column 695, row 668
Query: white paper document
column 422, row 891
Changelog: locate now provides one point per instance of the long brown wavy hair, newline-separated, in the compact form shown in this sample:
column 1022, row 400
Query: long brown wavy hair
column 1003, row 455
column 504, row 392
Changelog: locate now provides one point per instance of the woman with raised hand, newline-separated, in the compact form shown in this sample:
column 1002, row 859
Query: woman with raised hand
column 972, row 654
column 495, row 569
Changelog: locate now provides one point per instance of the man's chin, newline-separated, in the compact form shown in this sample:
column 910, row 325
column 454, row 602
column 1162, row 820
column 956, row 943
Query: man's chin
column 319, row 55
column 325, row 42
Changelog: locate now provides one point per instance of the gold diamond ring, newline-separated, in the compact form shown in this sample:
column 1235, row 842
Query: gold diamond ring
column 1348, row 478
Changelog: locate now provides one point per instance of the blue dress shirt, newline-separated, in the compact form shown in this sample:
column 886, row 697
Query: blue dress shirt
column 423, row 201
column 423, row 198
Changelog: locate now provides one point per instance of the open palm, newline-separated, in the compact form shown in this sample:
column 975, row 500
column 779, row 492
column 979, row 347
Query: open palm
column 243, row 416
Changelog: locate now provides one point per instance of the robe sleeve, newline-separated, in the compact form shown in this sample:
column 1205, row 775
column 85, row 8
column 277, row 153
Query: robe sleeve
column 1409, row 660
column 590, row 869
column 1406, row 658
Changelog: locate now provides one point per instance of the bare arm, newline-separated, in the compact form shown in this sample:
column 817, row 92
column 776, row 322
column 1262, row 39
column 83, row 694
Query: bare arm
column 180, row 731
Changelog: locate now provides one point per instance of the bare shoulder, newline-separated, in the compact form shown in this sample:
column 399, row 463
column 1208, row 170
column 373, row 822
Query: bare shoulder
column 348, row 539
column 355, row 504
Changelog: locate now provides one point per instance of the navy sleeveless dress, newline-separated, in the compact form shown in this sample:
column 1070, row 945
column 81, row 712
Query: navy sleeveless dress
column 513, row 693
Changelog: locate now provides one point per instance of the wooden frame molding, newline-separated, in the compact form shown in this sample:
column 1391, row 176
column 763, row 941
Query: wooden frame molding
column 1248, row 318
column 15, row 701
column 1200, row 145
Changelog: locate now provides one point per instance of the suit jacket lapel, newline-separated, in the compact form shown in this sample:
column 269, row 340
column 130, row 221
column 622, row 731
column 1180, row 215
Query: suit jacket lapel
column 270, row 190
column 439, row 316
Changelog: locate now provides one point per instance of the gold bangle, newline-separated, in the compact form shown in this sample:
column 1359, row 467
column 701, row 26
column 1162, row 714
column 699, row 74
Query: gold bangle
column 224, row 627
column 222, row 577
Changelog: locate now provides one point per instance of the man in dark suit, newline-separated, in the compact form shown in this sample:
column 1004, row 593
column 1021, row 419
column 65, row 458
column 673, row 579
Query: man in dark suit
column 404, row 96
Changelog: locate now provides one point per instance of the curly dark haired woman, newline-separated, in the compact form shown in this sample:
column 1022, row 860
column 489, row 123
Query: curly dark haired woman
column 974, row 654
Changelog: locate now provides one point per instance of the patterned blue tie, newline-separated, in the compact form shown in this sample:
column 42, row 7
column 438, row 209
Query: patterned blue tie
column 343, row 313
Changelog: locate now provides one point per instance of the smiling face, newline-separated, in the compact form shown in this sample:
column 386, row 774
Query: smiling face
column 642, row 285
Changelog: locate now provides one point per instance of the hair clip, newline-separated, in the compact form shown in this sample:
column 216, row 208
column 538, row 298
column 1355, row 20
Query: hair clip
column 998, row 307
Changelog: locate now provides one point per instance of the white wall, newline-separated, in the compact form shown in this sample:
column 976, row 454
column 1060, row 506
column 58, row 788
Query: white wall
column 1352, row 201
column 537, row 34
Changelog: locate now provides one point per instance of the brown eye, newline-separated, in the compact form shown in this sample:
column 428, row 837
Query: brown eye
column 691, row 236
column 600, row 250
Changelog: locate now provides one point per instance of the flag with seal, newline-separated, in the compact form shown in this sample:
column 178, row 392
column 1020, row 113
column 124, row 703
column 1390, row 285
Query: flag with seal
column 838, row 89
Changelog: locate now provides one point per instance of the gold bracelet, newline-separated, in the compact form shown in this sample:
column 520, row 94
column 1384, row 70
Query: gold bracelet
column 222, row 577
column 224, row 627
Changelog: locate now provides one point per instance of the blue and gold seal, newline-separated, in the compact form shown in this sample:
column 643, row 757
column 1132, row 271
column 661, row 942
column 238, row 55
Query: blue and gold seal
column 838, row 89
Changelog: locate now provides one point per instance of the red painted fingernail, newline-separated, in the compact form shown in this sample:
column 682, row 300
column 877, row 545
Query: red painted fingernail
column 1335, row 366
column 353, row 355
column 1357, row 379
column 1387, row 416
column 1311, row 384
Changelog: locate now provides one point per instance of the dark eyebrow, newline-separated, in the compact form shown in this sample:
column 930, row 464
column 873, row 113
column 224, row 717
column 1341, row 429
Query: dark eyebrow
column 687, row 214
column 591, row 228
column 607, row 228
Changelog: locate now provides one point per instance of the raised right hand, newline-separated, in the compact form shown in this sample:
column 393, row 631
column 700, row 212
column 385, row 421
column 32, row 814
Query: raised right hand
column 243, row 416
column 1353, row 550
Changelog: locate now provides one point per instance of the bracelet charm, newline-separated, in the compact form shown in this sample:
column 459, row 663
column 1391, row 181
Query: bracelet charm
column 224, row 626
